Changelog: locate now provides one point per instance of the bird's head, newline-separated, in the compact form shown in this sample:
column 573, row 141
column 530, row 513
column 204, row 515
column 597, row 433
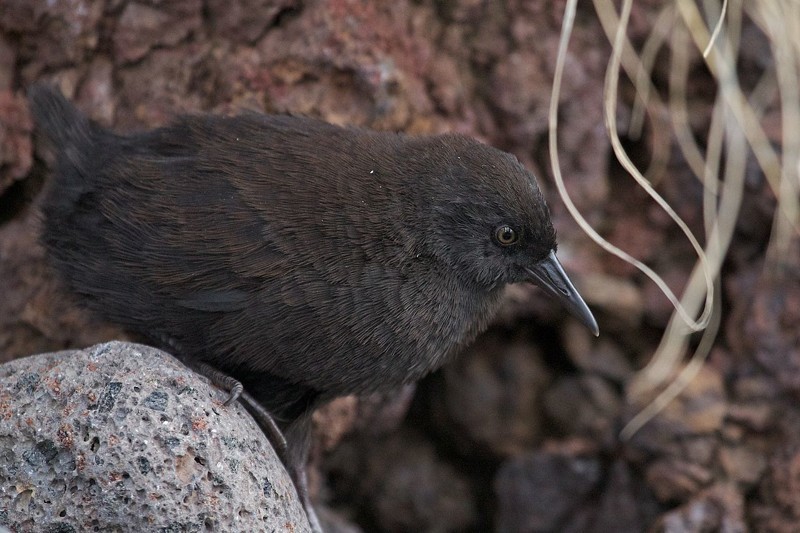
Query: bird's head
column 487, row 220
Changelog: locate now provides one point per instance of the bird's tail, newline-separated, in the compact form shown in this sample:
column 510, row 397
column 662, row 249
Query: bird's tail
column 73, row 138
column 58, row 120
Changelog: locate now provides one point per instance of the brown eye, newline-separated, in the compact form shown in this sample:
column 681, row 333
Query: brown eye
column 506, row 236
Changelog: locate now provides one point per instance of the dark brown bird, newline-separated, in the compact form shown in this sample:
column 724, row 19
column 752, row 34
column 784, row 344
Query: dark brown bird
column 305, row 260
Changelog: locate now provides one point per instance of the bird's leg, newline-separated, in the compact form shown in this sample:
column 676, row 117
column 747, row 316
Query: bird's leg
column 298, row 440
column 292, row 448
column 267, row 425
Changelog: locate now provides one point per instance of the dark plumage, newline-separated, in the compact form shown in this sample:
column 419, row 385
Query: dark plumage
column 304, row 259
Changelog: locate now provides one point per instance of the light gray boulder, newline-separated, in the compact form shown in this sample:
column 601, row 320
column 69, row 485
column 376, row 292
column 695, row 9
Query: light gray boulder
column 123, row 437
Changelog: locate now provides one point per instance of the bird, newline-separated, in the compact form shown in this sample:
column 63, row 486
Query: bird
column 290, row 258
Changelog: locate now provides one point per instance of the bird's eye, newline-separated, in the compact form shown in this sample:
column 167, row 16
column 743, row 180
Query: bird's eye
column 506, row 236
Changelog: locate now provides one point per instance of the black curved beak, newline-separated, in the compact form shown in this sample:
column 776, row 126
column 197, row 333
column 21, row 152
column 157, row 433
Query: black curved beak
column 550, row 276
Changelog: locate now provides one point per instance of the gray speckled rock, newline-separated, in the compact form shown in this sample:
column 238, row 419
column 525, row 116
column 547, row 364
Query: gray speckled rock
column 123, row 437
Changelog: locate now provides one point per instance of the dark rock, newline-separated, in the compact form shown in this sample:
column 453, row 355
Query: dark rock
column 415, row 491
column 491, row 397
column 157, row 401
column 539, row 491
column 583, row 405
column 108, row 397
column 332, row 522
column 776, row 506
column 143, row 464
column 27, row 383
column 402, row 484
column 602, row 356
column 381, row 413
column 625, row 505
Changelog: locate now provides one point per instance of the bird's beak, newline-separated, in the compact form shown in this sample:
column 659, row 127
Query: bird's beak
column 550, row 276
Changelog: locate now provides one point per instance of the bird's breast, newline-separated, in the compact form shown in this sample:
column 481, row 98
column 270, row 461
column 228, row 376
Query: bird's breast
column 384, row 327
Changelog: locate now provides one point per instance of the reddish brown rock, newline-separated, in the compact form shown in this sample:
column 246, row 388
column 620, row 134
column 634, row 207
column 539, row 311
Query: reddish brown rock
column 771, row 327
column 719, row 508
column 52, row 35
column 350, row 61
column 247, row 20
column 743, row 464
column 521, row 82
column 381, row 413
column 8, row 59
column 163, row 85
column 334, row 420
column 616, row 296
column 372, row 416
column 683, row 439
column 35, row 314
column 676, row 479
column 698, row 411
column 756, row 405
column 16, row 148
column 96, row 92
column 143, row 26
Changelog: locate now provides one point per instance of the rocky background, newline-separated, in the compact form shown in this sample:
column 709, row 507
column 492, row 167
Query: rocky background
column 522, row 434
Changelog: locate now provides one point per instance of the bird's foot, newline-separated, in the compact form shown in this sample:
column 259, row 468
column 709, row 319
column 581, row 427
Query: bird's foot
column 217, row 377
column 221, row 380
